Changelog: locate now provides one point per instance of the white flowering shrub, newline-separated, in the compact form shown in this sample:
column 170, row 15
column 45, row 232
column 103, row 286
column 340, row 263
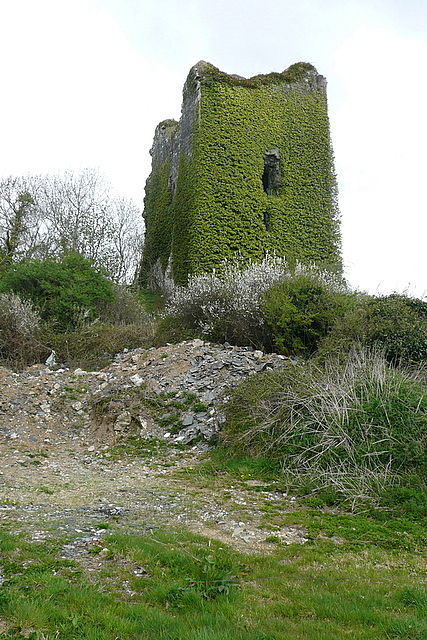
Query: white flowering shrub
column 19, row 324
column 227, row 305
column 18, row 315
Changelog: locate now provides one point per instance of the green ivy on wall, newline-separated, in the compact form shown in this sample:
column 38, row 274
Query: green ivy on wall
column 220, row 206
column 158, row 221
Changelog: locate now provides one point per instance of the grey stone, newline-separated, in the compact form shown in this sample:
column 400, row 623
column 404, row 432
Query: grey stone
column 206, row 430
column 187, row 436
column 208, row 396
column 137, row 380
column 187, row 420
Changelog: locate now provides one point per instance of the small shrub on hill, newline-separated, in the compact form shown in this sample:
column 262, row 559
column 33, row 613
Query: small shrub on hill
column 19, row 328
column 124, row 309
column 349, row 426
column 396, row 324
column 18, row 315
column 302, row 309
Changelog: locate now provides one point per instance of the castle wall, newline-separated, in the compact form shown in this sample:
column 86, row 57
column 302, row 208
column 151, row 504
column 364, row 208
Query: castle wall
column 248, row 169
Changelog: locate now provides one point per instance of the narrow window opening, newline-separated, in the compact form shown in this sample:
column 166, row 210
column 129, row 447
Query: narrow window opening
column 267, row 220
column 271, row 175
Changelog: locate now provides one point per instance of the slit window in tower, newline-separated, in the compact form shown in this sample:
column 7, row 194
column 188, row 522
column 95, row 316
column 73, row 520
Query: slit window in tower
column 271, row 175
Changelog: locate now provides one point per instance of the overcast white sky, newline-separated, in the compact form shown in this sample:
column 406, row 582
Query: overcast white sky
column 85, row 82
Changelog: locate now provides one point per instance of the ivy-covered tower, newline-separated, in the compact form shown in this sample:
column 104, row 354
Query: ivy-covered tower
column 248, row 169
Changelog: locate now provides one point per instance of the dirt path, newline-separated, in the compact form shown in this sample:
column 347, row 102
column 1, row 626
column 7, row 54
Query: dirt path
column 81, row 494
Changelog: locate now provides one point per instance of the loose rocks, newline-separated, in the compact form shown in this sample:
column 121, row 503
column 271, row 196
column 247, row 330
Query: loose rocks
column 174, row 392
column 194, row 369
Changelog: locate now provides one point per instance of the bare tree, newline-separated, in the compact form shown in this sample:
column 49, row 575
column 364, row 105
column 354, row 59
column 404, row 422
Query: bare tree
column 20, row 223
column 127, row 240
column 74, row 207
column 82, row 217
column 47, row 216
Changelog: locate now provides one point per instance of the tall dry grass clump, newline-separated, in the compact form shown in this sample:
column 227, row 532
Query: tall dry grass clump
column 352, row 426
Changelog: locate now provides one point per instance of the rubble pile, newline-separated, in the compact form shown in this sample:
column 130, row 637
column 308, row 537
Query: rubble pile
column 173, row 392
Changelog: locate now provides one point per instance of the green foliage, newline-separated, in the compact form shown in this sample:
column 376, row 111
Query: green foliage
column 152, row 301
column 220, row 206
column 408, row 498
column 396, row 324
column 353, row 426
column 158, row 219
column 300, row 311
column 184, row 210
column 15, row 228
column 66, row 291
column 294, row 73
column 231, row 214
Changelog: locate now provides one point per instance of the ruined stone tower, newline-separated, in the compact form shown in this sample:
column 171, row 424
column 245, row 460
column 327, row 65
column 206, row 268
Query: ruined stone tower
column 248, row 168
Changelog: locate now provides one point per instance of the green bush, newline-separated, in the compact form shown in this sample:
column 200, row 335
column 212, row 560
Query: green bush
column 396, row 324
column 301, row 310
column 352, row 426
column 152, row 301
column 67, row 292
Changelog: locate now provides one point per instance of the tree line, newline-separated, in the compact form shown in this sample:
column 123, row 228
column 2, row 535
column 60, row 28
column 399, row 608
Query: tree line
column 49, row 216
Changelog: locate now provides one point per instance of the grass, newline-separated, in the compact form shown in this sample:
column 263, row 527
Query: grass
column 357, row 576
column 152, row 301
column 136, row 447
column 353, row 433
column 175, row 585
